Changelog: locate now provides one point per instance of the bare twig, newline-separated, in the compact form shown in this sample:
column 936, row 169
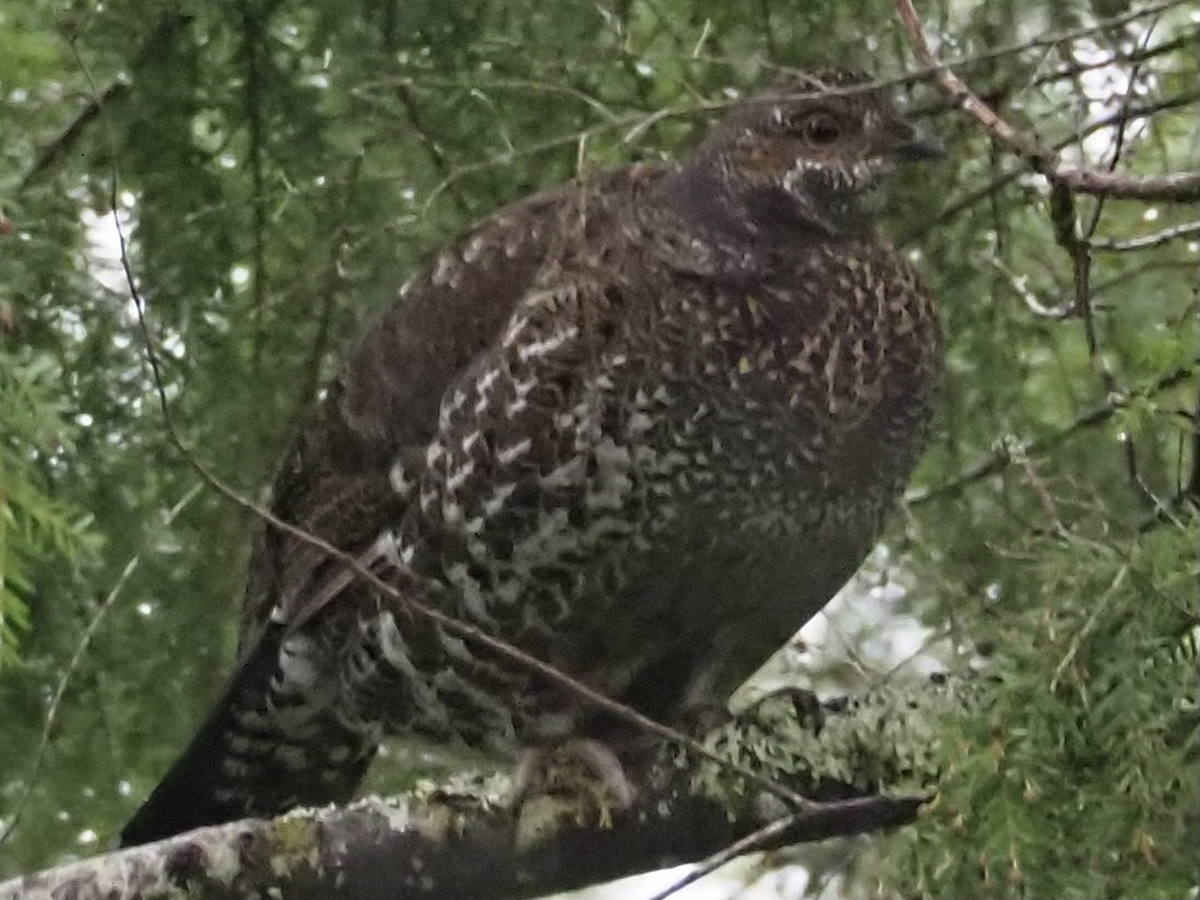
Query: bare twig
column 1075, row 240
column 62, row 145
column 1042, row 491
column 85, row 642
column 874, row 812
column 1005, row 454
column 1140, row 54
column 1191, row 490
column 1019, row 285
column 329, row 279
column 1181, row 187
column 1023, row 46
column 962, row 96
column 1141, row 110
column 1093, row 618
column 429, row 144
column 1065, row 183
column 1145, row 242
column 254, row 26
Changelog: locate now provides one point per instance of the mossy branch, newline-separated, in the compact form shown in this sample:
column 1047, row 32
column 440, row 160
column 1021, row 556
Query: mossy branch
column 869, row 763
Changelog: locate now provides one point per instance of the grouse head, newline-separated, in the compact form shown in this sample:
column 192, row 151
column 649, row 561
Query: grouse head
column 810, row 155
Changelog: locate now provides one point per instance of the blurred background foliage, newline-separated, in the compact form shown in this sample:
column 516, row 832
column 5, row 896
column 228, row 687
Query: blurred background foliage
column 278, row 170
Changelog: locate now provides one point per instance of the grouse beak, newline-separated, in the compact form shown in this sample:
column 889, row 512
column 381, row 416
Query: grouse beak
column 918, row 144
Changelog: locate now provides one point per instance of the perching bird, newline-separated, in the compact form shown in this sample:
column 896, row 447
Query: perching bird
column 642, row 427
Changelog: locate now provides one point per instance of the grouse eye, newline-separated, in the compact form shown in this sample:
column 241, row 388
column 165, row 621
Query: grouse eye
column 822, row 129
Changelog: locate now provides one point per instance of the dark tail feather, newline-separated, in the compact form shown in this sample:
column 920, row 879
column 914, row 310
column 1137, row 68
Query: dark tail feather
column 273, row 742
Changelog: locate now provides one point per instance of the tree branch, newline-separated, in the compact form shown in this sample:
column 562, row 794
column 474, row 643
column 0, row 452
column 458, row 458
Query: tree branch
column 462, row 839
column 1133, row 111
column 1179, row 187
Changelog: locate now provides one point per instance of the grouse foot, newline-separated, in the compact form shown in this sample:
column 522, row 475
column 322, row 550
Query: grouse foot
column 575, row 782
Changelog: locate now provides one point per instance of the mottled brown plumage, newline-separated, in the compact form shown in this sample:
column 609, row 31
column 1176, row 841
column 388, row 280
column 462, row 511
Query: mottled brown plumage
column 643, row 426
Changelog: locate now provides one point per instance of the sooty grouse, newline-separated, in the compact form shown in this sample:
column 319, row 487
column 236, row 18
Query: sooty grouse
column 642, row 426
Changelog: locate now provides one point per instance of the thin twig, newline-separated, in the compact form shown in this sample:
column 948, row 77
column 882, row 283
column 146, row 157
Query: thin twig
column 1191, row 490
column 1180, row 187
column 1077, row 640
column 310, row 381
column 1077, row 243
column 429, row 144
column 253, row 28
column 1044, row 496
column 63, row 145
column 85, row 642
column 1142, row 110
column 1005, row 455
column 1140, row 54
column 957, row 91
column 757, row 840
column 1019, row 285
column 1145, row 242
column 835, row 818
column 985, row 56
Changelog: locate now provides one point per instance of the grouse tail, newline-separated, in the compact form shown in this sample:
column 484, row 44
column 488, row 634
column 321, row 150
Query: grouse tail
column 274, row 741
